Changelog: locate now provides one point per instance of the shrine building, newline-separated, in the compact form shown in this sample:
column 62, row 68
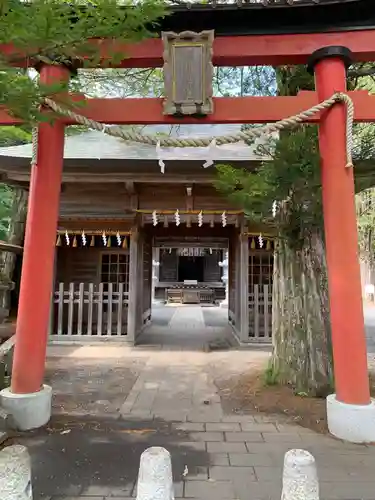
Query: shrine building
column 119, row 212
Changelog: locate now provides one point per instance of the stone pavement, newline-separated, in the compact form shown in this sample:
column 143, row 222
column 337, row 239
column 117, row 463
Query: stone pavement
column 113, row 402
column 187, row 328
column 369, row 314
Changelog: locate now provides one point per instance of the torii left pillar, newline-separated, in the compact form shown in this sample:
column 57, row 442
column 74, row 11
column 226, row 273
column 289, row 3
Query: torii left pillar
column 28, row 399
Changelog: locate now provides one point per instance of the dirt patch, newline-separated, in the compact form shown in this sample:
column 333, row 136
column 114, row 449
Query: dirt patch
column 90, row 387
column 248, row 394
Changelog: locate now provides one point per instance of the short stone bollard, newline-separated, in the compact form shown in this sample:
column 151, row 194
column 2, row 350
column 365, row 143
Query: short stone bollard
column 300, row 478
column 15, row 474
column 155, row 480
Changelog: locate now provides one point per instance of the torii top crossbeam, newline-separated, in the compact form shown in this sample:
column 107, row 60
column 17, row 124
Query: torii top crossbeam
column 266, row 33
column 251, row 33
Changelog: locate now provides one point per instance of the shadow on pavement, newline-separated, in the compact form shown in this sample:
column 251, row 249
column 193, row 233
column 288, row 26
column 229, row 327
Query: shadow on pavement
column 75, row 456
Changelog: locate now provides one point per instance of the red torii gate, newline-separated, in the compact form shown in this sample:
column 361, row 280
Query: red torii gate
column 351, row 412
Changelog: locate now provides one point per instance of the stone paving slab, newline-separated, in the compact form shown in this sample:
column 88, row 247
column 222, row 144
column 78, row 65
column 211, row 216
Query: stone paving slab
column 163, row 399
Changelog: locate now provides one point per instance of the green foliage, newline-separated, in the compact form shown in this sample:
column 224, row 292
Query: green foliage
column 292, row 79
column 59, row 31
column 365, row 204
column 6, row 201
column 9, row 136
column 291, row 174
column 364, row 156
column 14, row 136
column 271, row 376
column 245, row 80
column 119, row 82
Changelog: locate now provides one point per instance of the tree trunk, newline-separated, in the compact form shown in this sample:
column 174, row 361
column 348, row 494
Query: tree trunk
column 302, row 353
column 302, row 350
column 16, row 235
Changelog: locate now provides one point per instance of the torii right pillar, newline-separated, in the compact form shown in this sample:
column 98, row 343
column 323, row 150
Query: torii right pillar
column 351, row 411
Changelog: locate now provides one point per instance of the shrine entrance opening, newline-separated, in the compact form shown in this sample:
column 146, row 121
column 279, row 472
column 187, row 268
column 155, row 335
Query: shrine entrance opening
column 189, row 272
column 189, row 310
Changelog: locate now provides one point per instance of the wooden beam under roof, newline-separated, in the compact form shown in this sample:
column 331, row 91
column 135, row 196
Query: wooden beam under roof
column 118, row 178
column 8, row 247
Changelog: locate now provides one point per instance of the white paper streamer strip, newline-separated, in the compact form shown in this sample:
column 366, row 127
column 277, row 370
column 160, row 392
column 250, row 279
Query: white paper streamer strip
column 210, row 154
column 158, row 156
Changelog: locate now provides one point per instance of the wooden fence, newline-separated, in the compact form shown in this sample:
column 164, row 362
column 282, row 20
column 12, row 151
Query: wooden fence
column 6, row 361
column 260, row 314
column 88, row 311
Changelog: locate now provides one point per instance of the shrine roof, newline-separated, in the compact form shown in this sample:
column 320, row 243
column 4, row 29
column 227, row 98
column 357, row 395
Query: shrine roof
column 246, row 17
column 94, row 146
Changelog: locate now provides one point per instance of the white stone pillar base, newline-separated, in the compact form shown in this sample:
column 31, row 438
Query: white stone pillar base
column 300, row 478
column 353, row 423
column 15, row 474
column 155, row 480
column 29, row 411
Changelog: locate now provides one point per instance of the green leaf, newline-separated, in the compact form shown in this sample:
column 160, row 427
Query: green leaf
column 59, row 31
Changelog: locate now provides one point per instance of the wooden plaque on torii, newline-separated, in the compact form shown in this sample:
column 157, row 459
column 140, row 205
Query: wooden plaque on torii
column 188, row 73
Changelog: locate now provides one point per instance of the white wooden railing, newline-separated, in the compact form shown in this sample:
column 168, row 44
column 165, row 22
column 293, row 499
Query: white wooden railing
column 86, row 310
column 260, row 314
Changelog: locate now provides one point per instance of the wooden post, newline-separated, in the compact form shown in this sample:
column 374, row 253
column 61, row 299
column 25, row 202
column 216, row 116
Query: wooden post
column 244, row 288
column 140, row 283
column 155, row 271
column 133, row 286
column 39, row 251
column 51, row 322
column 237, row 284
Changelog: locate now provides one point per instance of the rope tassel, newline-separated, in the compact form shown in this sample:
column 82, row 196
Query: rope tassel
column 34, row 153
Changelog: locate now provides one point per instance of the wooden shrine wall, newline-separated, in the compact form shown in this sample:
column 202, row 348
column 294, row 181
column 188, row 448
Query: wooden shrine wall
column 78, row 265
column 81, row 265
column 114, row 201
column 212, row 271
column 168, row 271
column 92, row 200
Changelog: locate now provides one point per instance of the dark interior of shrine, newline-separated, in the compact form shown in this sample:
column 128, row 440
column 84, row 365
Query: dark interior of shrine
column 191, row 268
